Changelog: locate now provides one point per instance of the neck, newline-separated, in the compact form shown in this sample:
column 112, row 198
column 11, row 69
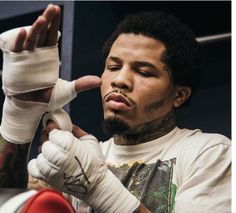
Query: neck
column 148, row 131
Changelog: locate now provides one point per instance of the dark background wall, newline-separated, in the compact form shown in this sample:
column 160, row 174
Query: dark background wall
column 87, row 25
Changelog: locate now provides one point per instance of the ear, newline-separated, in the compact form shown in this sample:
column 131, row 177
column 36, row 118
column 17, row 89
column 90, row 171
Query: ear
column 182, row 94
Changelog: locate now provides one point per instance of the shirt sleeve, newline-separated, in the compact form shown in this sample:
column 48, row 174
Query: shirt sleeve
column 206, row 182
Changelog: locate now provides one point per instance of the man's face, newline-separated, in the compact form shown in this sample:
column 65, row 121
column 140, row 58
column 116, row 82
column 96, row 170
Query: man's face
column 136, row 86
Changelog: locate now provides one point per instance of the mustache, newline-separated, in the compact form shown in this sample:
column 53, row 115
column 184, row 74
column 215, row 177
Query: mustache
column 120, row 92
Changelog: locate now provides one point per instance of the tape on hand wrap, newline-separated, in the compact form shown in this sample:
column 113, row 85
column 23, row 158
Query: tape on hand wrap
column 60, row 117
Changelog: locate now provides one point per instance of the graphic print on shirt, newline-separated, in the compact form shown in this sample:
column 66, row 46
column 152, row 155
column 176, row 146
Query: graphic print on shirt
column 150, row 183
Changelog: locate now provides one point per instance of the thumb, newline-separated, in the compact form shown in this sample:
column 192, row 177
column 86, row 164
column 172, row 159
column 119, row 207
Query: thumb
column 77, row 132
column 65, row 91
column 87, row 82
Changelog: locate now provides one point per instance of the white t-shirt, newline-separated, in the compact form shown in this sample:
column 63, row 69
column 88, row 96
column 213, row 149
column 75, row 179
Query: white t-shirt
column 184, row 171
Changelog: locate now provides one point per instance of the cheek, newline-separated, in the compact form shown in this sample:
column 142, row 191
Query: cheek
column 146, row 93
column 153, row 96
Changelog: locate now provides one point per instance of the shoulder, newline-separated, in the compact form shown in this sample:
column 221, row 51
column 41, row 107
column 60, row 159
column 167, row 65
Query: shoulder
column 203, row 173
column 201, row 141
column 203, row 150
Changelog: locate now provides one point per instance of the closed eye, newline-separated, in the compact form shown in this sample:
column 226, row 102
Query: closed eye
column 143, row 72
column 113, row 67
column 145, row 69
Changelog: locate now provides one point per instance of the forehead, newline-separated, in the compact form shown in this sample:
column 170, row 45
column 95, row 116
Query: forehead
column 138, row 46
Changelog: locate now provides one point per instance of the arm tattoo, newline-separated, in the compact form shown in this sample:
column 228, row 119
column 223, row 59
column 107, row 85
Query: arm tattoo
column 13, row 164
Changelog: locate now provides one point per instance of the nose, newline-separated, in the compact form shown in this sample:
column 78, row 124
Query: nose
column 123, row 80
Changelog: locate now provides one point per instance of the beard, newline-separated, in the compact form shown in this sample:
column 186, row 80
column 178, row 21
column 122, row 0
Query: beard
column 115, row 126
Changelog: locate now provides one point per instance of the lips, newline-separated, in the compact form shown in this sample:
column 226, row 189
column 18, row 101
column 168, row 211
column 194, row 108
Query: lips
column 117, row 98
column 117, row 102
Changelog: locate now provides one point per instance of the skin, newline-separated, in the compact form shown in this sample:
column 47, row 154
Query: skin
column 128, row 79
column 134, row 70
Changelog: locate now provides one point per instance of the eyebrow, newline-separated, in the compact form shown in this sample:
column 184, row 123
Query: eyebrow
column 115, row 59
column 145, row 64
column 136, row 63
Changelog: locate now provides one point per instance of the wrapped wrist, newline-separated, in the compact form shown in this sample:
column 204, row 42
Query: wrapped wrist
column 109, row 195
column 20, row 119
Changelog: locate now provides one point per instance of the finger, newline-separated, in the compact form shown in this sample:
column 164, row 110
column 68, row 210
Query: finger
column 63, row 139
column 77, row 132
column 53, row 154
column 34, row 32
column 54, row 27
column 33, row 170
column 40, row 168
column 48, row 14
column 87, row 82
column 42, row 37
column 51, row 125
column 43, row 136
column 45, row 132
column 18, row 45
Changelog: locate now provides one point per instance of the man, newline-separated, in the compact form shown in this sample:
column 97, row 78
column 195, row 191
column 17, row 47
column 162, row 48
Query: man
column 149, row 164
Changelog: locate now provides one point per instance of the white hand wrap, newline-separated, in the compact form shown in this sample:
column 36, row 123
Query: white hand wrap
column 28, row 71
column 20, row 118
column 77, row 166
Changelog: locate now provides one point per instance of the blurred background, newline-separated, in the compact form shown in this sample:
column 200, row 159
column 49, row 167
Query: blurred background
column 86, row 26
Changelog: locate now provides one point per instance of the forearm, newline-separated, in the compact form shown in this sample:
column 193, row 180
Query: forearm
column 13, row 164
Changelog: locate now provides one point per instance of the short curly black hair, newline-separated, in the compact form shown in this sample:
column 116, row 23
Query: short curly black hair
column 182, row 55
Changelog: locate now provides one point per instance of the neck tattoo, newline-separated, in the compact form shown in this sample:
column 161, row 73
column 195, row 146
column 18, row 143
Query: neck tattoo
column 148, row 131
